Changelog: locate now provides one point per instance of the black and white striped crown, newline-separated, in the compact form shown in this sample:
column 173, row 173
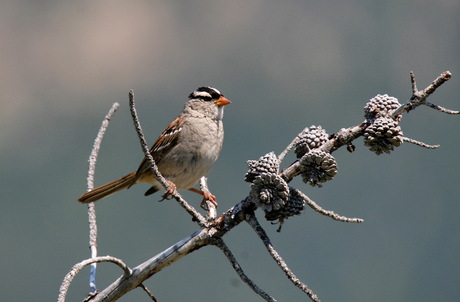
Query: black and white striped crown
column 206, row 94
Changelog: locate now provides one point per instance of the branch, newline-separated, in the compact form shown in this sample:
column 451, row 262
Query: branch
column 90, row 185
column 148, row 292
column 79, row 266
column 419, row 96
column 252, row 221
column 208, row 205
column 421, row 144
column 330, row 214
column 152, row 266
column 220, row 244
column 345, row 136
column 288, row 148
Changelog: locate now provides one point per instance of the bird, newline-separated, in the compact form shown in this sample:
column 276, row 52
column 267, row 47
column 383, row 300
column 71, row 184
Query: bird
column 184, row 152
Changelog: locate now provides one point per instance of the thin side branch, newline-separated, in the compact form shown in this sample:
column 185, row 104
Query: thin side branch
column 209, row 206
column 145, row 148
column 440, row 108
column 149, row 293
column 79, row 266
column 288, row 148
column 413, row 83
column 324, row 212
column 421, row 144
column 90, row 185
column 97, row 145
column 252, row 221
column 191, row 210
column 236, row 266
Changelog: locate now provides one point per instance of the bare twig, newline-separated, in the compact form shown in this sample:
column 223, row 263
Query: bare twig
column 79, row 266
column 236, row 266
column 90, row 185
column 97, row 145
column 440, row 108
column 252, row 221
column 324, row 212
column 145, row 148
column 210, row 207
column 288, row 148
column 413, row 83
column 191, row 210
column 421, row 144
column 149, row 293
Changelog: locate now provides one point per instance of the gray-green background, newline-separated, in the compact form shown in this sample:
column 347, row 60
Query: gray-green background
column 285, row 65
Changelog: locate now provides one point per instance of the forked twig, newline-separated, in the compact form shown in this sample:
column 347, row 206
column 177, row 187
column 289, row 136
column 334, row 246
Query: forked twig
column 419, row 96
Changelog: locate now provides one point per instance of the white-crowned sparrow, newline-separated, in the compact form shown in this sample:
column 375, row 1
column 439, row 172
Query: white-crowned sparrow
column 185, row 151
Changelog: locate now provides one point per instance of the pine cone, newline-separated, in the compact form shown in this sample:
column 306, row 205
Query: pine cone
column 269, row 191
column 269, row 163
column 383, row 135
column 310, row 138
column 293, row 206
column 318, row 166
column 381, row 105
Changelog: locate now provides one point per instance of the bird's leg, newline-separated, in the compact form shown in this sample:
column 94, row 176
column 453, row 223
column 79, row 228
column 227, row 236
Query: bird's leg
column 206, row 196
column 170, row 191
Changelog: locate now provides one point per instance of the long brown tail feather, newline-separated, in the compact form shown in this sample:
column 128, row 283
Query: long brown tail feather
column 110, row 188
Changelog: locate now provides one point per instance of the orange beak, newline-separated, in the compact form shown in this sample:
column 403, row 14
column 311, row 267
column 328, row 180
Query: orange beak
column 222, row 101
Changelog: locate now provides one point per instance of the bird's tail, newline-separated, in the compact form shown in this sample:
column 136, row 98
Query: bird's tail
column 110, row 188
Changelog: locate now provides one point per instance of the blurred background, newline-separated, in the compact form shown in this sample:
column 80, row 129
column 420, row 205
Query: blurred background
column 285, row 65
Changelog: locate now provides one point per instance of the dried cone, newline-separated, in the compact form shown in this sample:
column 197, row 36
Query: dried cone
column 383, row 135
column 269, row 163
column 270, row 191
column 318, row 167
column 381, row 105
column 310, row 138
column 294, row 206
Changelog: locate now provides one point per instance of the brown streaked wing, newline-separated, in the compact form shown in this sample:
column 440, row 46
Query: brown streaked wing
column 163, row 144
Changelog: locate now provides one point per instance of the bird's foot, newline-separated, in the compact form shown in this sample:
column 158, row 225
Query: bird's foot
column 207, row 197
column 170, row 191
